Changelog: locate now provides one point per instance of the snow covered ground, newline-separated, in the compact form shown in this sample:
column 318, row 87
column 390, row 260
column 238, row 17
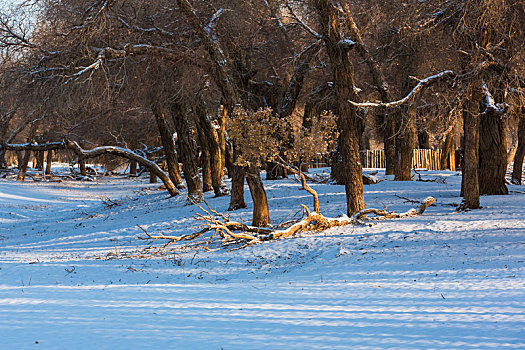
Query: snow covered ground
column 68, row 278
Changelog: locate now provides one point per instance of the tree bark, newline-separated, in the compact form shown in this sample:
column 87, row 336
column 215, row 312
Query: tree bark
column 39, row 156
column 237, row 192
column 23, row 166
column 205, row 162
column 517, row 168
column 423, row 139
column 82, row 166
column 261, row 215
column 19, row 159
column 212, row 141
column 188, row 153
column 166, row 137
column 404, row 148
column 49, row 160
column 448, row 148
column 349, row 124
column 3, row 161
column 389, row 140
column 492, row 155
column 470, row 179
column 337, row 169
column 133, row 167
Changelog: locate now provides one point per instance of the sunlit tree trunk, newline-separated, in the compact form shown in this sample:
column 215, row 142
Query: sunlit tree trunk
column 470, row 180
column 188, row 153
column 492, row 155
column 404, row 147
column 261, row 215
column 348, row 123
column 517, row 168
column 166, row 137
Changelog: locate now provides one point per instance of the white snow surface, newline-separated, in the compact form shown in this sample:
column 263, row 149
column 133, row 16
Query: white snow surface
column 444, row 280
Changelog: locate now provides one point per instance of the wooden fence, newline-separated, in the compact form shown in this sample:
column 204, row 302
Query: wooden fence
column 422, row 158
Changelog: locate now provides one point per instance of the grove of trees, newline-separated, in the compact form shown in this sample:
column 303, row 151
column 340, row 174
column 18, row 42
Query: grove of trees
column 239, row 86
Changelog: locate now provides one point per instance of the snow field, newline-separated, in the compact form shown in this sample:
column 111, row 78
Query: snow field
column 69, row 278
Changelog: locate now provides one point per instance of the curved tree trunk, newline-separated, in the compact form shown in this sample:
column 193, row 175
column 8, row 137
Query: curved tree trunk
column 261, row 215
column 166, row 137
column 517, row 168
column 492, row 155
column 188, row 153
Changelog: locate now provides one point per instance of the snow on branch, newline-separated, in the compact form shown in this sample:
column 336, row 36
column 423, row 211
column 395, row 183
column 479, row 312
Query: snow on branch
column 490, row 104
column 423, row 84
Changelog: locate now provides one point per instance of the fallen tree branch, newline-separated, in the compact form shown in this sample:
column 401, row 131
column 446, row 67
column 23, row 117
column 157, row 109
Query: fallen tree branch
column 95, row 152
column 221, row 224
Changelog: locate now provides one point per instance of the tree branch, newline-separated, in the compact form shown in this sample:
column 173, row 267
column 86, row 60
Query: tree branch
column 423, row 84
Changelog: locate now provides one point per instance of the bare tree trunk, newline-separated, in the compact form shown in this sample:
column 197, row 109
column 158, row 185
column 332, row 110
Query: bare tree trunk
column 492, row 155
column 166, row 137
column 423, row 139
column 228, row 158
column 19, row 159
column 470, row 180
column 517, row 168
column 39, row 160
column 337, row 170
column 221, row 135
column 261, row 215
column 188, row 153
column 3, row 161
column 404, row 149
column 23, row 166
column 237, row 192
column 448, row 148
column 205, row 159
column 133, row 167
column 389, row 140
column 274, row 171
column 212, row 141
column 49, row 160
column 349, row 124
column 82, row 165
